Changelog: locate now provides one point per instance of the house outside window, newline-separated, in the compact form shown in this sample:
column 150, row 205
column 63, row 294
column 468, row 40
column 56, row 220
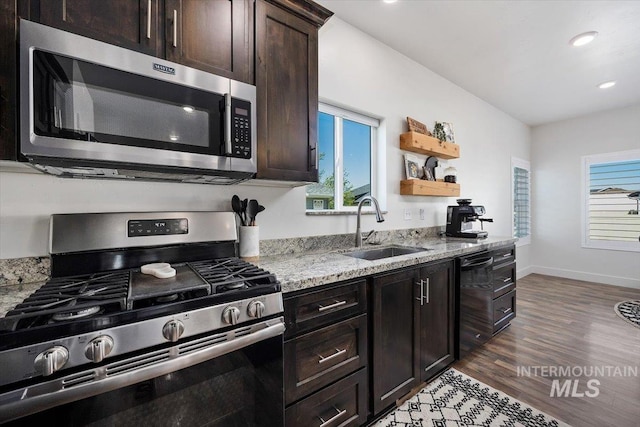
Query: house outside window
column 347, row 156
column 521, row 200
column 611, row 197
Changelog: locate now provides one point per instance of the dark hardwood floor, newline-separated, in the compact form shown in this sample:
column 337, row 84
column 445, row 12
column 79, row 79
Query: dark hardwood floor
column 568, row 323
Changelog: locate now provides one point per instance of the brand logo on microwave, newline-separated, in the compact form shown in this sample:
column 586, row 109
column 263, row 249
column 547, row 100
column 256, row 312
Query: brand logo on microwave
column 164, row 68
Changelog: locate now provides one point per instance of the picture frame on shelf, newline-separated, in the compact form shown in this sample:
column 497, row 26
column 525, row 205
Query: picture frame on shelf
column 416, row 126
column 448, row 132
column 412, row 166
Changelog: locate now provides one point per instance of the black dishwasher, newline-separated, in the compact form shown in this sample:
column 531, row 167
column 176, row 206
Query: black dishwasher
column 475, row 302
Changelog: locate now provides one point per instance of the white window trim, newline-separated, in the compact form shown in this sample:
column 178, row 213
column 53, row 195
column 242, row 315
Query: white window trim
column 522, row 164
column 378, row 175
column 584, row 195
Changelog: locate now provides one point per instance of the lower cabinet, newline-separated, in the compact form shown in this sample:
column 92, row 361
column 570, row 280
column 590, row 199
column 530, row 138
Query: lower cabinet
column 413, row 318
column 326, row 378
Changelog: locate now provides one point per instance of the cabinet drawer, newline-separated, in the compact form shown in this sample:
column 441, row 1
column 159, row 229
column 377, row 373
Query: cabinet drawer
column 319, row 308
column 318, row 358
column 504, row 309
column 504, row 255
column 341, row 404
column 504, row 279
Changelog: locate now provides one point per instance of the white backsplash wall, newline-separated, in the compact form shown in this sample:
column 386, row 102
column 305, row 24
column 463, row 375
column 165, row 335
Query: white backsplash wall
column 355, row 71
column 557, row 149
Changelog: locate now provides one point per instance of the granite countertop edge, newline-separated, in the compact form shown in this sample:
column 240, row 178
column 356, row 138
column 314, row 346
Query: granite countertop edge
column 303, row 271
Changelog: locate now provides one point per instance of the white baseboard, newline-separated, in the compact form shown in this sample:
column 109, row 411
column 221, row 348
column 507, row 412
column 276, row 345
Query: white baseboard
column 587, row 277
column 523, row 272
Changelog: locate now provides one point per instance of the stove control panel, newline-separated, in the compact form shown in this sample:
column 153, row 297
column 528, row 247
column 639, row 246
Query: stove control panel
column 157, row 227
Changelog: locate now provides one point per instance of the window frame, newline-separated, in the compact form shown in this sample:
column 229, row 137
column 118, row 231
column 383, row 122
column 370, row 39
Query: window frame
column 586, row 162
column 340, row 114
column 522, row 164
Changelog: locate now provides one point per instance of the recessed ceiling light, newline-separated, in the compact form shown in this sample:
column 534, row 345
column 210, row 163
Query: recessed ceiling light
column 607, row 85
column 188, row 109
column 584, row 38
column 173, row 137
column 389, row 1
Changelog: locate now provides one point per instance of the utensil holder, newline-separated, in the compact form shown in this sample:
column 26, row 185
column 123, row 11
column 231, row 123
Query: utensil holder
column 249, row 241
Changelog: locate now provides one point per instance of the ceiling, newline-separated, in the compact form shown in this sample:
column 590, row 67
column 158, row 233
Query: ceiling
column 515, row 54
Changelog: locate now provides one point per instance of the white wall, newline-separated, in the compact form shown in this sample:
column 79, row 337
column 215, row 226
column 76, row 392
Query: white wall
column 356, row 71
column 557, row 149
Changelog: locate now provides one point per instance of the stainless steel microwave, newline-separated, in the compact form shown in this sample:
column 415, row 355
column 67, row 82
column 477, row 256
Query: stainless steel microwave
column 90, row 109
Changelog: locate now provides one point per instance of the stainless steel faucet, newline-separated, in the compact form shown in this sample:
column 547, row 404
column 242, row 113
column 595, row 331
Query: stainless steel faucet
column 379, row 217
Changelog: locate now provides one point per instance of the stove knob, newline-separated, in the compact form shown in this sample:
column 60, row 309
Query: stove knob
column 173, row 330
column 99, row 348
column 255, row 309
column 51, row 360
column 231, row 315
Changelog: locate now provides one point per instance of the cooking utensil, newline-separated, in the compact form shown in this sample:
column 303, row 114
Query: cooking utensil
column 244, row 211
column 252, row 211
column 236, row 205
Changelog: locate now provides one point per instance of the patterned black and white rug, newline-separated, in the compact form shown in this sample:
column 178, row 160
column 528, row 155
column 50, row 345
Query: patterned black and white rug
column 455, row 399
column 629, row 311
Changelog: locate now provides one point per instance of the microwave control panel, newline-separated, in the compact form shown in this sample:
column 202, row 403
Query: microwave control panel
column 240, row 129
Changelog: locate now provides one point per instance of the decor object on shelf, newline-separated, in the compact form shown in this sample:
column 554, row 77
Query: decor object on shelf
column 448, row 132
column 416, row 126
column 438, row 131
column 412, row 166
column 451, row 175
column 430, row 168
column 433, row 406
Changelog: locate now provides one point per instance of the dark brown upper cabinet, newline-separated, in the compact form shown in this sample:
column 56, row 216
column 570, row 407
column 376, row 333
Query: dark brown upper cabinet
column 132, row 24
column 287, row 88
column 211, row 35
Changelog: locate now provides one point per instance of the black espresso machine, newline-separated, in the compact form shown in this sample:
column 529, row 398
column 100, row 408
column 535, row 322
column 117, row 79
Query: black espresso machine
column 460, row 220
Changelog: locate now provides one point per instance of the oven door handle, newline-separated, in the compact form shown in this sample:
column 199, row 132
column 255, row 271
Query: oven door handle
column 35, row 398
column 485, row 262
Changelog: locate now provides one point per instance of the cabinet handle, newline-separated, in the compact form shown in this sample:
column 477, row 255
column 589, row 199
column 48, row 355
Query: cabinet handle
column 175, row 28
column 64, row 10
column 333, row 356
column 421, row 284
column 332, row 419
column 506, row 255
column 505, row 310
column 322, row 308
column 428, row 290
column 507, row 280
column 149, row 19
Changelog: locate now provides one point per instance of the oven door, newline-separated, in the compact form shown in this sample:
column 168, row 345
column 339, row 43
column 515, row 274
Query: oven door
column 212, row 381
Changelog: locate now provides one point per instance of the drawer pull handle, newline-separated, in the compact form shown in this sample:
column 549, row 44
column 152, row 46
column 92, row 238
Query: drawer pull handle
column 322, row 308
column 507, row 280
column 506, row 255
column 332, row 419
column 333, row 356
column 505, row 310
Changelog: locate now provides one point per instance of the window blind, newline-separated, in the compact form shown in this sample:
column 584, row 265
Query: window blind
column 521, row 202
column 613, row 201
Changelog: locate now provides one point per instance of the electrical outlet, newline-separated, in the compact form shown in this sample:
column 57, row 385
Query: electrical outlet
column 407, row 214
column 422, row 214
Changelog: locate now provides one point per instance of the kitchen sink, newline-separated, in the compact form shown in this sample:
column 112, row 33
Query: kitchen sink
column 386, row 252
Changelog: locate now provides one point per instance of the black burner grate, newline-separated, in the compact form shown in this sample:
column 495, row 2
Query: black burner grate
column 228, row 274
column 108, row 291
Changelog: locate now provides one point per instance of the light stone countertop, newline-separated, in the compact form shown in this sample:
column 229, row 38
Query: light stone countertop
column 305, row 270
column 301, row 271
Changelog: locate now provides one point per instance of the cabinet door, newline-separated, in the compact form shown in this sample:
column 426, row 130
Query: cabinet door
column 437, row 319
column 395, row 337
column 287, row 95
column 132, row 24
column 212, row 35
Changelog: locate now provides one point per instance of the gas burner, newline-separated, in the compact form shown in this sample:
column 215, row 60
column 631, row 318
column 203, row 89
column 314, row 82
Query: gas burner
column 75, row 314
column 232, row 286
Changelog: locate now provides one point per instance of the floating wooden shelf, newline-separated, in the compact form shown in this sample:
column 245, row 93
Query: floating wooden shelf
column 423, row 144
column 421, row 187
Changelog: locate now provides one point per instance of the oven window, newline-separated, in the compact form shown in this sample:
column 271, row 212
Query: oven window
column 79, row 100
column 242, row 388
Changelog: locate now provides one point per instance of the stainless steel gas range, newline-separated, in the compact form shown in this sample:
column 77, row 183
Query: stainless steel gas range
column 149, row 318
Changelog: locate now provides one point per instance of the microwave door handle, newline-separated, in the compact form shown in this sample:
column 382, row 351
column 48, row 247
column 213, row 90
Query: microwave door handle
column 227, row 123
